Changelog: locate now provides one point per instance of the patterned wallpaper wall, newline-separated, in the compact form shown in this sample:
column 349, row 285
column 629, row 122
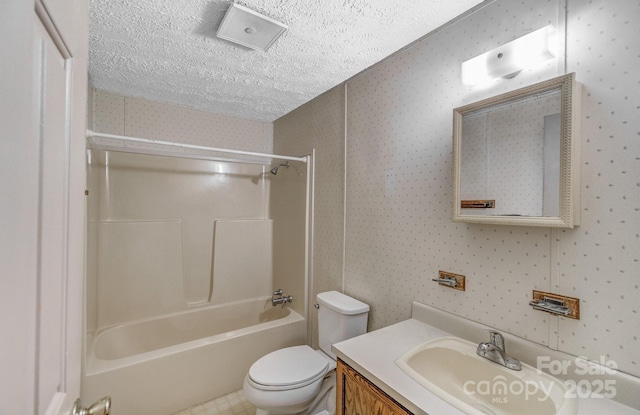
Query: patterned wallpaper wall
column 320, row 124
column 134, row 117
column 398, row 184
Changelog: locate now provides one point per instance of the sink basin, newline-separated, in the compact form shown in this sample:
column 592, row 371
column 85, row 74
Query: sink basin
column 450, row 368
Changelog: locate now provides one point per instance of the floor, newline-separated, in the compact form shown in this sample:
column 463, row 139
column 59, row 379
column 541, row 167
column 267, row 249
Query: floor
column 231, row 404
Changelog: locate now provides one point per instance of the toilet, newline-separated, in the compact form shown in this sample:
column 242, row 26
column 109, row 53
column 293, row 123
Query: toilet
column 298, row 379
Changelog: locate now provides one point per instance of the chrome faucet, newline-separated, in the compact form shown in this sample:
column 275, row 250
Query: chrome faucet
column 496, row 351
column 278, row 298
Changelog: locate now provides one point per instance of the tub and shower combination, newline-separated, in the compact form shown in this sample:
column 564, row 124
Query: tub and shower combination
column 164, row 364
column 183, row 255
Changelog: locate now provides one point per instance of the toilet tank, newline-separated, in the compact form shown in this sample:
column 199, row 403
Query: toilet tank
column 340, row 317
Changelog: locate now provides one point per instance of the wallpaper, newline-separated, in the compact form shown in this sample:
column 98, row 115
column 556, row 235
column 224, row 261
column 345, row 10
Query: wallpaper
column 398, row 231
column 320, row 124
column 399, row 235
column 135, row 117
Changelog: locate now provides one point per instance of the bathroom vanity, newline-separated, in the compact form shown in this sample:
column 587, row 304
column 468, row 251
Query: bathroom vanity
column 370, row 381
column 357, row 395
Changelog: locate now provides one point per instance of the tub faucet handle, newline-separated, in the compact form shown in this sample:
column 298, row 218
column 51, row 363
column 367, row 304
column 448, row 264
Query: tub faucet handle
column 278, row 298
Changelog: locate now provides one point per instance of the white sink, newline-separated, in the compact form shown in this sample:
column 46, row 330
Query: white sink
column 450, row 368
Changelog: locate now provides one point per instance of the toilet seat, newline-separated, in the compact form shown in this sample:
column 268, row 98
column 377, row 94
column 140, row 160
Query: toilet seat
column 288, row 368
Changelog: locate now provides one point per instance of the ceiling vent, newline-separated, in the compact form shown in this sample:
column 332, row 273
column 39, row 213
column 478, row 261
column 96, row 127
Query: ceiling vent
column 249, row 28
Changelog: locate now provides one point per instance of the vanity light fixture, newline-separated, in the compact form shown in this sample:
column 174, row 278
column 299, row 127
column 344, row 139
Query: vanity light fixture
column 506, row 61
column 249, row 28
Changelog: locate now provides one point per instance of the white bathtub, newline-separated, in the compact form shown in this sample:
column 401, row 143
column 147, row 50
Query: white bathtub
column 161, row 365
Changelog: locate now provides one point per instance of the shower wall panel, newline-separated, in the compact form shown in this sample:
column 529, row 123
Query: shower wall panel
column 153, row 219
column 140, row 267
column 242, row 260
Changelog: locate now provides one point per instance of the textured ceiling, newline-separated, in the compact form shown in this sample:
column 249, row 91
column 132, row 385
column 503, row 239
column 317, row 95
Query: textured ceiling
column 166, row 50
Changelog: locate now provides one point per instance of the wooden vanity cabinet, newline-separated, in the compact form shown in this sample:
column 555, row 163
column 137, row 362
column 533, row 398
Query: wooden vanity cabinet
column 356, row 395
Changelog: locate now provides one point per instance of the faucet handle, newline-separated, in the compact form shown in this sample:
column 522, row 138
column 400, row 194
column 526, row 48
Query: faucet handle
column 278, row 291
column 497, row 339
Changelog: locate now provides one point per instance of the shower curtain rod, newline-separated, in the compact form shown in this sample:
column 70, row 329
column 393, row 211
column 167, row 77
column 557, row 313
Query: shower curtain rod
column 91, row 134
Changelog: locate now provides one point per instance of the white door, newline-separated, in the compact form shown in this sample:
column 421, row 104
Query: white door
column 53, row 194
column 42, row 119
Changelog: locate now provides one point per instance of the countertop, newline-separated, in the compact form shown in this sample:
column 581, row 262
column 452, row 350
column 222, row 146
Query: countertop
column 374, row 354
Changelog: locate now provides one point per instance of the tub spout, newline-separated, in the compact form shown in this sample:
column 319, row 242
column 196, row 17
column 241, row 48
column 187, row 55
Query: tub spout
column 282, row 300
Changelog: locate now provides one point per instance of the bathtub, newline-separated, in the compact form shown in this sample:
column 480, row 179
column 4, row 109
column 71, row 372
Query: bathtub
column 162, row 365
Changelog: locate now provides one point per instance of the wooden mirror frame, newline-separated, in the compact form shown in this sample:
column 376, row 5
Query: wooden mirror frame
column 569, row 214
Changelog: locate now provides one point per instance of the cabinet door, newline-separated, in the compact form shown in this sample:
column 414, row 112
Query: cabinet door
column 357, row 396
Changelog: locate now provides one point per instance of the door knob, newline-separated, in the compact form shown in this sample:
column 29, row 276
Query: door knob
column 99, row 407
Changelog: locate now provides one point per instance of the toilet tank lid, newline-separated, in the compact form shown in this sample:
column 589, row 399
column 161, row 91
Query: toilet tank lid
column 342, row 303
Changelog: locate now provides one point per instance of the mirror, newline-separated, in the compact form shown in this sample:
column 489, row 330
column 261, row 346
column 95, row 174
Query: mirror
column 517, row 157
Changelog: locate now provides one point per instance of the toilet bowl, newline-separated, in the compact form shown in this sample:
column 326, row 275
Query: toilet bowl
column 298, row 379
column 288, row 380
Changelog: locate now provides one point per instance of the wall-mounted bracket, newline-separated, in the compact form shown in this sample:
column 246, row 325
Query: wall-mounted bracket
column 451, row 280
column 556, row 304
column 477, row 204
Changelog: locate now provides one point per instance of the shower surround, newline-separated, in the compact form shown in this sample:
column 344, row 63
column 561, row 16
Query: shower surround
column 182, row 249
column 163, row 232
